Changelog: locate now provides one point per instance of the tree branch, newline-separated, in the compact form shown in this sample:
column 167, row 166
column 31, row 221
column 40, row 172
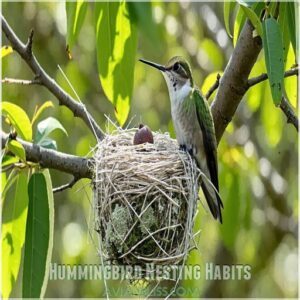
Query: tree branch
column 20, row 81
column 289, row 112
column 77, row 166
column 25, row 51
column 233, row 83
column 66, row 186
column 213, row 88
column 255, row 80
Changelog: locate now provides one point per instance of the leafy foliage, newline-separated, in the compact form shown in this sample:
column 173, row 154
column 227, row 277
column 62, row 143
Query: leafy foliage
column 272, row 42
column 38, row 234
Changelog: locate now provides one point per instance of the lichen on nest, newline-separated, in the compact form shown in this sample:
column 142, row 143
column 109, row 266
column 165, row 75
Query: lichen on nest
column 145, row 199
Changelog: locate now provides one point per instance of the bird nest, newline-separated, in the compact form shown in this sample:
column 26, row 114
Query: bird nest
column 145, row 200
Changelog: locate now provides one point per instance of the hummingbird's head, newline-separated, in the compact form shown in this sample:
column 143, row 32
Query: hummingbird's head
column 177, row 73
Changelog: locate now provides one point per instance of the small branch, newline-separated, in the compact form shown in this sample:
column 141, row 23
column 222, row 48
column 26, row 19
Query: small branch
column 213, row 88
column 20, row 81
column 65, row 186
column 47, row 158
column 289, row 112
column 255, row 80
column 25, row 51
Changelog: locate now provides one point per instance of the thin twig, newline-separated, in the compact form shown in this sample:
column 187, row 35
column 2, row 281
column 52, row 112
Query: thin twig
column 255, row 80
column 25, row 51
column 214, row 87
column 289, row 112
column 20, row 81
column 66, row 186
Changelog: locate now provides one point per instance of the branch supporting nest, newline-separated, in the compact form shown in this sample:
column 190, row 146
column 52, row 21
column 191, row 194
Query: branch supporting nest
column 47, row 158
column 25, row 51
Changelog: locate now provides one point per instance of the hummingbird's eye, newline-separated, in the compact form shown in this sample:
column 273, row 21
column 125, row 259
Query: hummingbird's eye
column 176, row 67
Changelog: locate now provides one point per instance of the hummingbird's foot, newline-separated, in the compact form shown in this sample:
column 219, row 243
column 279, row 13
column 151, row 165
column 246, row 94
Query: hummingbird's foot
column 182, row 147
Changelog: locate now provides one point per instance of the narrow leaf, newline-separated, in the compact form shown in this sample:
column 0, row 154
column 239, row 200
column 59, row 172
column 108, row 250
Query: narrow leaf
column 251, row 15
column 292, row 24
column 6, row 50
column 13, row 233
column 18, row 119
column 141, row 15
column 47, row 126
column 37, row 238
column 273, row 48
column 51, row 228
column 40, row 110
column 17, row 149
column 116, row 49
column 8, row 160
column 283, row 23
column 238, row 24
column 228, row 8
column 76, row 11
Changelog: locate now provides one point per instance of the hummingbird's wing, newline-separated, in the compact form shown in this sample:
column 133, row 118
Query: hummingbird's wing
column 210, row 146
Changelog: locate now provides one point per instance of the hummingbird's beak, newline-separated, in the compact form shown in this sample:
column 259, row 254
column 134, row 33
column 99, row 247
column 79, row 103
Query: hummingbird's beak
column 154, row 65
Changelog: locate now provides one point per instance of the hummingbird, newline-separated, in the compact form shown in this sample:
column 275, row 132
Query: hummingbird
column 194, row 127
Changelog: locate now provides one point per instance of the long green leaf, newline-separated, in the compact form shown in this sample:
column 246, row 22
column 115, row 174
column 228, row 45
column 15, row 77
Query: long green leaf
column 292, row 24
column 273, row 48
column 51, row 227
column 18, row 119
column 238, row 24
column 252, row 16
column 76, row 12
column 13, row 232
column 283, row 23
column 37, row 238
column 228, row 8
column 116, row 49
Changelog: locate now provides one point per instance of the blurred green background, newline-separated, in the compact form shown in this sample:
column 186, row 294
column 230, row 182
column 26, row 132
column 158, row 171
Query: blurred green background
column 257, row 154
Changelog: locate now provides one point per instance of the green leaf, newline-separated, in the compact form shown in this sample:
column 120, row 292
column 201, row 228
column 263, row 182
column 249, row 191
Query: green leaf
column 252, row 16
column 51, row 227
column 13, row 175
column 292, row 24
column 238, row 24
column 6, row 50
column 273, row 48
column 40, row 110
column 76, row 12
column 13, row 233
column 228, row 8
column 18, row 119
column 17, row 149
column 283, row 23
column 8, row 160
column 241, row 17
column 45, row 127
column 116, row 49
column 141, row 14
column 38, row 237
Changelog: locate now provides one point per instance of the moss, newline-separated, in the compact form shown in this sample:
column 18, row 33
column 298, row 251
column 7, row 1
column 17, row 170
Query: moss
column 149, row 221
column 117, row 228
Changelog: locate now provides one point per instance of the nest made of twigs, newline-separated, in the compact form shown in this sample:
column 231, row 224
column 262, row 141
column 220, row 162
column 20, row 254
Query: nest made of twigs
column 145, row 199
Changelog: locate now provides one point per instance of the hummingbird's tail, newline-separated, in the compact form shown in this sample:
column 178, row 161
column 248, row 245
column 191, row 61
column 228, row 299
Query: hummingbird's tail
column 212, row 198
